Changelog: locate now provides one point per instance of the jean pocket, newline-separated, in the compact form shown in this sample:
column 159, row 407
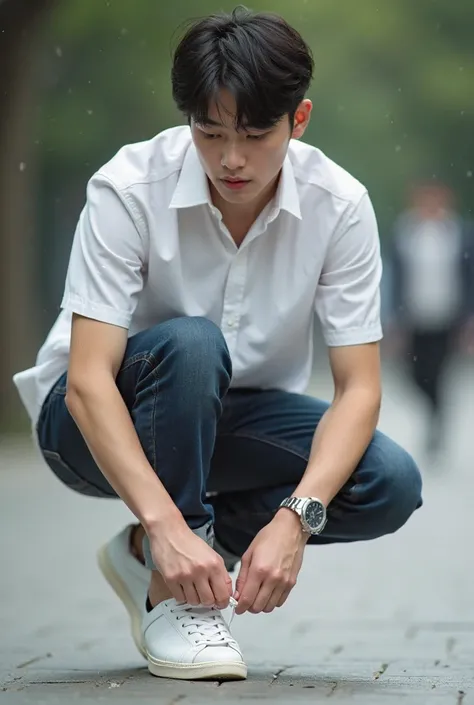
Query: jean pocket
column 69, row 477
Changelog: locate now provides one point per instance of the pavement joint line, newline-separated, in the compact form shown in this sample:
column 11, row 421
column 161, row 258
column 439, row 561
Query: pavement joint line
column 381, row 671
column 177, row 699
column 34, row 660
column 278, row 673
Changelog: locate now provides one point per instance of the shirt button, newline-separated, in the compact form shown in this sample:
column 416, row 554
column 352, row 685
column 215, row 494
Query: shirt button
column 231, row 322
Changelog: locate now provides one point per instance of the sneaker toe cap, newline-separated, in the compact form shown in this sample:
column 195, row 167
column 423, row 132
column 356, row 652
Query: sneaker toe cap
column 221, row 654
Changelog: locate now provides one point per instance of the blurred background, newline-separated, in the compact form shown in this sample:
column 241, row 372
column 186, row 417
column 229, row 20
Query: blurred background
column 393, row 98
column 394, row 104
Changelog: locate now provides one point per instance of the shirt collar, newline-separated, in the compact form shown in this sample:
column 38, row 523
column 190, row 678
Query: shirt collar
column 192, row 188
column 287, row 197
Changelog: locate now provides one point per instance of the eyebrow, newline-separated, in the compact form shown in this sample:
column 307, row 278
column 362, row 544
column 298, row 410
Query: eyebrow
column 209, row 122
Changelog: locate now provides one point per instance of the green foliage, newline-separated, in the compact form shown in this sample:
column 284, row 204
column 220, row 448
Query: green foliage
column 393, row 91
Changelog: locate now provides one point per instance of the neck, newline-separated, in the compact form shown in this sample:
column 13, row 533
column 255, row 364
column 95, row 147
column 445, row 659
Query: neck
column 238, row 218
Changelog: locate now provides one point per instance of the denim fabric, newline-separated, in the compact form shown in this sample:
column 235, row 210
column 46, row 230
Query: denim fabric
column 227, row 457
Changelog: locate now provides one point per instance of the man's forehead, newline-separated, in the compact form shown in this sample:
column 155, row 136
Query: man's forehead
column 221, row 114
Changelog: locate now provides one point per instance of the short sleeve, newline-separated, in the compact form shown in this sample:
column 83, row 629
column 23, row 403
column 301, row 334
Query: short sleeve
column 348, row 293
column 105, row 273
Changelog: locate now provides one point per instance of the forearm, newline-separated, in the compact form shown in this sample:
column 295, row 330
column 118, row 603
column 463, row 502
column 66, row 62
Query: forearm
column 104, row 421
column 340, row 441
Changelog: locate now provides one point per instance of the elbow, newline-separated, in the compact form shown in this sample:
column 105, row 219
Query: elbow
column 74, row 395
column 377, row 406
column 374, row 397
column 371, row 399
column 77, row 395
column 86, row 390
column 367, row 400
column 370, row 405
column 374, row 405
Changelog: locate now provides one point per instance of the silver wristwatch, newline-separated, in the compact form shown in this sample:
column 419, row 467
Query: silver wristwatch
column 311, row 511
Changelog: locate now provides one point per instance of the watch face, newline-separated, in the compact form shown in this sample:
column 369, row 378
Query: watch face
column 314, row 514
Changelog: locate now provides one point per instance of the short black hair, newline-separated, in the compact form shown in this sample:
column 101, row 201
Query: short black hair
column 258, row 57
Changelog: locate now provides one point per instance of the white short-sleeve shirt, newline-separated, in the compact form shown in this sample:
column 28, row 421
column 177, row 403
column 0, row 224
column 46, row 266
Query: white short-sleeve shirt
column 150, row 246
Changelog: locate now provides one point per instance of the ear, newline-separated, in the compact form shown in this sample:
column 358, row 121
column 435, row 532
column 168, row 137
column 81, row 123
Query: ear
column 302, row 117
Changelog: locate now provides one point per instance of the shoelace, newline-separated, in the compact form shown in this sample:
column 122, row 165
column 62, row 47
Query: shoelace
column 207, row 623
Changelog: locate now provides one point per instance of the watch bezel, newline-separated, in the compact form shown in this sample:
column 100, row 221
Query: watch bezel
column 309, row 529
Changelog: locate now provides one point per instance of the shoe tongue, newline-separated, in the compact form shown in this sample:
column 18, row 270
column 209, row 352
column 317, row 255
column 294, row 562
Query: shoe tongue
column 199, row 609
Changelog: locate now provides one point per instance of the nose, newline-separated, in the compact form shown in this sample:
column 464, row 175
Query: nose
column 232, row 158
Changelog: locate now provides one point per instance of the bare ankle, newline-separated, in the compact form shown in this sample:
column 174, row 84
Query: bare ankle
column 158, row 590
column 136, row 542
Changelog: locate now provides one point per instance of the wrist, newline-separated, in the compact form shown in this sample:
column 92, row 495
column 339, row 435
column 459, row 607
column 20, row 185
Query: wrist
column 167, row 520
column 290, row 521
column 324, row 492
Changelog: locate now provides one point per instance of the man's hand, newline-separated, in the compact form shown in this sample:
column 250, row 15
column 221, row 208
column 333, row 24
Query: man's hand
column 271, row 564
column 193, row 571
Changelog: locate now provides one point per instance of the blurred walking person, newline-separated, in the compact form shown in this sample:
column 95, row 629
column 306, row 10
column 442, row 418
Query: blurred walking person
column 432, row 292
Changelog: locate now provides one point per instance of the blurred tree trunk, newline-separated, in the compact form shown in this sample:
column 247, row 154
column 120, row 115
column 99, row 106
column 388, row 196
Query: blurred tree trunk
column 19, row 24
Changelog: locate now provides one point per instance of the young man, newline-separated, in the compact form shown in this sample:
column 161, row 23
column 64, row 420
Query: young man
column 198, row 264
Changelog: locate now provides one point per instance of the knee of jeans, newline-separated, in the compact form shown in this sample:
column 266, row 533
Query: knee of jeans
column 196, row 345
column 388, row 486
column 401, row 488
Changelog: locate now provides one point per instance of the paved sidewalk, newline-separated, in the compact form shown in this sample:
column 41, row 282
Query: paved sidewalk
column 391, row 620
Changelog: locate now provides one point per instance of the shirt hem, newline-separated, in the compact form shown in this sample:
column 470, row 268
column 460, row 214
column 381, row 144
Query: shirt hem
column 353, row 337
column 97, row 312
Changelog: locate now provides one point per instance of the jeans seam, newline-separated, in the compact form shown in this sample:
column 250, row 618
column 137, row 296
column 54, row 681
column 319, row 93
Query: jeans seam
column 149, row 359
column 139, row 357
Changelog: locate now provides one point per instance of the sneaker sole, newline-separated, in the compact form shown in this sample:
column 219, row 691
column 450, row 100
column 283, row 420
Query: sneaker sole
column 123, row 593
column 232, row 671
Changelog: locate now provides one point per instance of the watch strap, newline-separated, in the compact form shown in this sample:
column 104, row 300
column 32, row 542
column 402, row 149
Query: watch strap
column 294, row 503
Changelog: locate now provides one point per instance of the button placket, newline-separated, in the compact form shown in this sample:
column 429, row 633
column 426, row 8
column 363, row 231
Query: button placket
column 233, row 297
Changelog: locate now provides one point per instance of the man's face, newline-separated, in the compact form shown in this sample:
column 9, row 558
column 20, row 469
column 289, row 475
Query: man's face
column 243, row 165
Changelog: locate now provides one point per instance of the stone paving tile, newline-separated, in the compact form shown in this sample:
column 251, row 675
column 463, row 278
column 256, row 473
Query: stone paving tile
column 292, row 689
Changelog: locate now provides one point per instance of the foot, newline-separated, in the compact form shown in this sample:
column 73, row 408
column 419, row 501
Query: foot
column 191, row 643
column 128, row 577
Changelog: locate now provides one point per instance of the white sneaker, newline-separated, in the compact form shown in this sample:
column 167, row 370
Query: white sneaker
column 192, row 643
column 128, row 578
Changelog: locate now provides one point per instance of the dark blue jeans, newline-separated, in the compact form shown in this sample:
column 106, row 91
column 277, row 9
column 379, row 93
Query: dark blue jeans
column 247, row 448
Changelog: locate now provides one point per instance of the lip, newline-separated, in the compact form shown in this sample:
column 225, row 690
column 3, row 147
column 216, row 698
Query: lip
column 235, row 184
